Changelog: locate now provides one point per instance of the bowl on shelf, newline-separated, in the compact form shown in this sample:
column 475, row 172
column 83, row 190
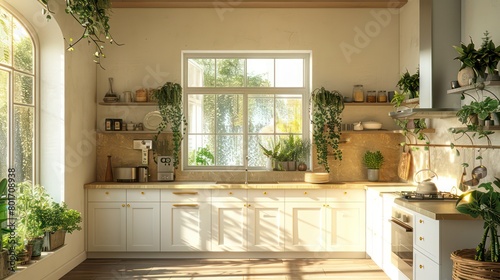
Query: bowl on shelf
column 372, row 125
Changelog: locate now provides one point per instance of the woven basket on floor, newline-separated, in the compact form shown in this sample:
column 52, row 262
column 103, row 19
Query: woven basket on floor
column 466, row 268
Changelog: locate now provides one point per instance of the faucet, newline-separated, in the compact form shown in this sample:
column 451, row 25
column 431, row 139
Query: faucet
column 246, row 170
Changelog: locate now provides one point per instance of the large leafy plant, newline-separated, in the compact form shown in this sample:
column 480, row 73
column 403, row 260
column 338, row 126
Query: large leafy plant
column 484, row 59
column 58, row 216
column 169, row 98
column 484, row 204
column 410, row 84
column 327, row 107
column 93, row 16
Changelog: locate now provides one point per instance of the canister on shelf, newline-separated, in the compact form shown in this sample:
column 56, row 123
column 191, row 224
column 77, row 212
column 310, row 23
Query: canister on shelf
column 358, row 93
column 382, row 96
column 141, row 95
column 371, row 96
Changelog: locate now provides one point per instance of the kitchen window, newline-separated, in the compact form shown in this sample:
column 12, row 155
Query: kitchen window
column 235, row 101
column 18, row 100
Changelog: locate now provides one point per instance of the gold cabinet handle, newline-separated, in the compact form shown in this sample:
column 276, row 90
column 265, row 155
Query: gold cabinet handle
column 142, row 193
column 185, row 205
column 421, row 266
column 345, row 193
column 123, row 205
column 421, row 221
column 128, row 205
column 106, row 192
column 230, row 193
column 305, row 192
column 181, row 193
column 265, row 192
column 420, row 238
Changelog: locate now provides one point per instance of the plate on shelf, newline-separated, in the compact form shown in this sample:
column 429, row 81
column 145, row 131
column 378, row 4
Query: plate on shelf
column 152, row 120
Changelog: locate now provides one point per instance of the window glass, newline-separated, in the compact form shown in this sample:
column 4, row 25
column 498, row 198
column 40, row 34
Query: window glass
column 230, row 72
column 23, row 88
column 5, row 36
column 23, row 142
column 4, row 121
column 23, row 49
column 238, row 104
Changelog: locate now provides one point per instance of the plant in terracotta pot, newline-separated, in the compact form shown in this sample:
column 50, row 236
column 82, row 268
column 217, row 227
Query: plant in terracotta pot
column 373, row 161
column 56, row 220
column 484, row 261
column 29, row 198
column 326, row 107
column 169, row 98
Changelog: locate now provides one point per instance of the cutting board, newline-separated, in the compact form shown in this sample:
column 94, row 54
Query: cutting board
column 404, row 165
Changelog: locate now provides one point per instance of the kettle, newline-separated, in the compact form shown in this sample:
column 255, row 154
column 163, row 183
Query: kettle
column 426, row 186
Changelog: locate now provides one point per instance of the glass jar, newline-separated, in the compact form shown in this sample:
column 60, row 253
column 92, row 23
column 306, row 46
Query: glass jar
column 382, row 96
column 358, row 93
column 371, row 96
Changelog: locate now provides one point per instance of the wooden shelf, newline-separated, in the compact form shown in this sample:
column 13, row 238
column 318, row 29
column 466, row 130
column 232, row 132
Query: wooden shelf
column 130, row 132
column 384, row 131
column 347, row 104
column 491, row 127
column 128, row 103
column 461, row 90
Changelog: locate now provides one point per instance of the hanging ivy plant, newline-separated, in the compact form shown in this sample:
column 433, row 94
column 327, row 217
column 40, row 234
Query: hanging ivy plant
column 169, row 98
column 327, row 107
column 93, row 16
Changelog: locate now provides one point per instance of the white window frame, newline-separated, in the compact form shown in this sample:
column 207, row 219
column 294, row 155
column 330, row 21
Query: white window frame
column 36, row 99
column 304, row 91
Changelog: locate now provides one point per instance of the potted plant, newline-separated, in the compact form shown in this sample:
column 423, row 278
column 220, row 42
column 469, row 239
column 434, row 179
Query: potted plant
column 373, row 161
column 484, row 261
column 271, row 153
column 169, row 98
column 326, row 107
column 56, row 220
column 29, row 198
column 409, row 84
column 302, row 151
column 489, row 56
column 289, row 152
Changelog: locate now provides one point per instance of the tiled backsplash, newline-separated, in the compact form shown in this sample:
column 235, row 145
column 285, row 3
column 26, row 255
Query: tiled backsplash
column 120, row 147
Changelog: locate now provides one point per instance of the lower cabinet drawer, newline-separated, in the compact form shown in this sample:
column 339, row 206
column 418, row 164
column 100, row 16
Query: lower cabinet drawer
column 146, row 195
column 106, row 195
column 424, row 268
column 426, row 235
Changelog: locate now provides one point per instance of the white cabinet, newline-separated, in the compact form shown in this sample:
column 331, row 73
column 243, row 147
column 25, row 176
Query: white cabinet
column 265, row 220
column 229, row 220
column 345, row 220
column 374, row 226
column 123, row 220
column 325, row 220
column 185, row 220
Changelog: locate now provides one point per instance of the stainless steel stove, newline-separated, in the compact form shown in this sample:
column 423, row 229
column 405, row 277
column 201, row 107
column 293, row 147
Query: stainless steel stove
column 414, row 196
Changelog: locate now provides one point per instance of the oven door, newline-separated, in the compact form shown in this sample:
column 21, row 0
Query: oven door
column 402, row 247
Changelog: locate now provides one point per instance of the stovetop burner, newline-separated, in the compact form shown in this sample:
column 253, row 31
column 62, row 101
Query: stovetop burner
column 440, row 196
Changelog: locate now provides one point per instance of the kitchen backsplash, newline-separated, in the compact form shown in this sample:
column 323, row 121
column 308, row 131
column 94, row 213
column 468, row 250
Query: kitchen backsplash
column 119, row 146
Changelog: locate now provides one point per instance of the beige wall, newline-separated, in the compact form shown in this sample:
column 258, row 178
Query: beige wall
column 349, row 46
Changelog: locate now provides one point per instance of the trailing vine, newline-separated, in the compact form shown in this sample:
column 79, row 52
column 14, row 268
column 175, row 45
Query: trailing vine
column 327, row 107
column 169, row 98
column 93, row 16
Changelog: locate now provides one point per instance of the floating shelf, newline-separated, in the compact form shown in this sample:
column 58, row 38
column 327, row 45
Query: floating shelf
column 366, row 104
column 384, row 131
column 130, row 132
column 472, row 87
column 128, row 103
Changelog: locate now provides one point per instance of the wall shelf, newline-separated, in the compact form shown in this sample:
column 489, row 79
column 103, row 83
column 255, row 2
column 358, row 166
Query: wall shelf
column 129, row 132
column 461, row 90
column 128, row 103
column 348, row 104
column 384, row 131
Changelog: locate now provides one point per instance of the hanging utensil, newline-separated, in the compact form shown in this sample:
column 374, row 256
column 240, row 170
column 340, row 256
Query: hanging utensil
column 480, row 171
column 462, row 186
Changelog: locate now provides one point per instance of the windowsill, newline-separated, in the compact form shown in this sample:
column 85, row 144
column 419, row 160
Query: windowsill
column 33, row 263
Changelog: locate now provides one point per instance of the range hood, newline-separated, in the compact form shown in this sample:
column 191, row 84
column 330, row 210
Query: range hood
column 439, row 30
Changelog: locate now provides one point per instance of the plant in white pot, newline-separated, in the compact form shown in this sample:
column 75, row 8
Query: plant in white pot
column 373, row 161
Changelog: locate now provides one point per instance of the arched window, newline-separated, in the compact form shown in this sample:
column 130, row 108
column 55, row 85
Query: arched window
column 18, row 98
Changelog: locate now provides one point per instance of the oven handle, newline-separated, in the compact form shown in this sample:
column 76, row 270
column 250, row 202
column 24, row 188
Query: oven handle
column 401, row 225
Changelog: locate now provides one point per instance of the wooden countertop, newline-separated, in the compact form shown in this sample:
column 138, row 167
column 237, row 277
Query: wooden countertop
column 229, row 185
column 437, row 210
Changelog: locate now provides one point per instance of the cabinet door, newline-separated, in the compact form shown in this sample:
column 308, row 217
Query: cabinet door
column 185, row 226
column 345, row 227
column 106, row 226
column 304, row 226
column 424, row 268
column 229, row 226
column 143, row 226
column 266, row 226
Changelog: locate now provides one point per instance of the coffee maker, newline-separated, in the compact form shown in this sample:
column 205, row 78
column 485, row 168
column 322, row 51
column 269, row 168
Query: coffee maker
column 165, row 168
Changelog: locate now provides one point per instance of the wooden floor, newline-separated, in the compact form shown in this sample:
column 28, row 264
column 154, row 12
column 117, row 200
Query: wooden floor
column 233, row 269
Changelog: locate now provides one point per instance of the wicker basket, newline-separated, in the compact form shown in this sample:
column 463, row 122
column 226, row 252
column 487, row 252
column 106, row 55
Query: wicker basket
column 466, row 268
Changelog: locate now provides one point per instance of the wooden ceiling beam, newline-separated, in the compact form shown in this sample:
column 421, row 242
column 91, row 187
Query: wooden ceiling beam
column 258, row 4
